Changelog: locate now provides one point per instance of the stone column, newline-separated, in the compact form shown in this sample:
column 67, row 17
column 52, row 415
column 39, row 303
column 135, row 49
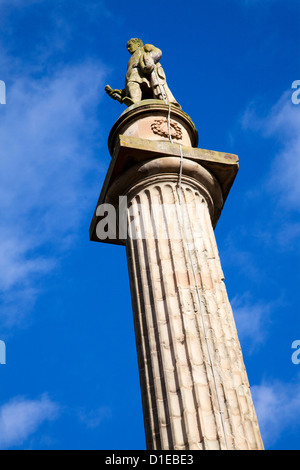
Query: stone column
column 194, row 384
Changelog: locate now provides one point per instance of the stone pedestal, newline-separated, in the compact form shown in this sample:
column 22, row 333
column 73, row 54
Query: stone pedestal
column 194, row 384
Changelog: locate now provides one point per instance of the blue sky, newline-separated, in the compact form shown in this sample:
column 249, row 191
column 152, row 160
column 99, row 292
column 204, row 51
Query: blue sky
column 71, row 378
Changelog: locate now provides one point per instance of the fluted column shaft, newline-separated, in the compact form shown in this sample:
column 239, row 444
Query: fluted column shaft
column 195, row 389
column 194, row 384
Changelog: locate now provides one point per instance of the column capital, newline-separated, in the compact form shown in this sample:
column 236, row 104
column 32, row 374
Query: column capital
column 135, row 160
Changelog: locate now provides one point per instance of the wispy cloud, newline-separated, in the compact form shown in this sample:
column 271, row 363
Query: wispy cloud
column 48, row 135
column 20, row 418
column 283, row 123
column 277, row 406
column 252, row 319
column 284, row 120
column 93, row 419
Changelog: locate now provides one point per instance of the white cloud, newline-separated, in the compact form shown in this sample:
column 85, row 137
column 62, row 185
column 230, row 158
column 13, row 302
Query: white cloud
column 283, row 123
column 48, row 135
column 93, row 419
column 20, row 418
column 251, row 319
column 277, row 406
column 15, row 266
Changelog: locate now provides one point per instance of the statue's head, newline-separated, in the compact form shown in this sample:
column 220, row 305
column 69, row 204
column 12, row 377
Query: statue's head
column 133, row 44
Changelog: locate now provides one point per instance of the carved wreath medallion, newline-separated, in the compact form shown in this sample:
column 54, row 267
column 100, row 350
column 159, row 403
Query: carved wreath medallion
column 160, row 127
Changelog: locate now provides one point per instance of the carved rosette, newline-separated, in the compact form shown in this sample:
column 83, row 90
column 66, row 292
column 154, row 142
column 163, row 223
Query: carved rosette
column 161, row 128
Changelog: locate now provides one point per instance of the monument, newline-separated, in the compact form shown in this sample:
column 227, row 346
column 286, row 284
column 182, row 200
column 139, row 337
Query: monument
column 168, row 195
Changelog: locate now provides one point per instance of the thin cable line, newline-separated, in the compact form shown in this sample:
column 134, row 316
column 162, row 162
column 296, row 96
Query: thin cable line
column 199, row 301
column 191, row 261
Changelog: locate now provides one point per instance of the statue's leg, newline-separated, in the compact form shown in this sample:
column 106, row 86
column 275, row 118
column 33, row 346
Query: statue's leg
column 134, row 91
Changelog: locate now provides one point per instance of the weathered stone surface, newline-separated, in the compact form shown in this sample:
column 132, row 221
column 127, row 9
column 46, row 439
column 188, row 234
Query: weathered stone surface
column 176, row 353
column 194, row 385
column 145, row 77
column 141, row 120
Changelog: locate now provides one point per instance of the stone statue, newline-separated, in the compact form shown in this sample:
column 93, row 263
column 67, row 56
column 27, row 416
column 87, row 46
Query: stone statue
column 145, row 77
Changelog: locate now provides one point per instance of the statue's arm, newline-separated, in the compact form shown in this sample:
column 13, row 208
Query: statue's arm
column 115, row 94
column 154, row 51
column 149, row 57
column 119, row 95
column 146, row 63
